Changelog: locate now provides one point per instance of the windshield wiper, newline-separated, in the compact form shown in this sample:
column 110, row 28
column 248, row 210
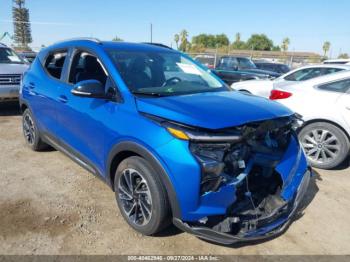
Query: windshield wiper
column 153, row 94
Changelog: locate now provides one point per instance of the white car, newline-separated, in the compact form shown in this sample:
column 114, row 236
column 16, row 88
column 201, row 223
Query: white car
column 337, row 61
column 324, row 104
column 264, row 87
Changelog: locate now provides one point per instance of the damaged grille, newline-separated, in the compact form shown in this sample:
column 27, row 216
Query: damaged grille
column 248, row 163
column 221, row 162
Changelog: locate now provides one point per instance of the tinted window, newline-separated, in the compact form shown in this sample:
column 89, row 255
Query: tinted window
column 8, row 56
column 228, row 62
column 86, row 67
column 327, row 71
column 54, row 63
column 339, row 86
column 304, row 74
column 162, row 73
column 245, row 63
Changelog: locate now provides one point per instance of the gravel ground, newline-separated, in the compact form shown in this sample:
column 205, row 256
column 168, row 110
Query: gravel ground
column 49, row 205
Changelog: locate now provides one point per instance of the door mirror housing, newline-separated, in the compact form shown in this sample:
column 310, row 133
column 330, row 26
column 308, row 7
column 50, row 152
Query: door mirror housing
column 90, row 88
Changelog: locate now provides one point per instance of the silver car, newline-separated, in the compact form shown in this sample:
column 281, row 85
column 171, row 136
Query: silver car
column 12, row 68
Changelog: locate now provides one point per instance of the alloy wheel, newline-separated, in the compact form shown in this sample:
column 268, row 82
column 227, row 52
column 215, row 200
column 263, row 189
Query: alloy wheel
column 29, row 129
column 135, row 197
column 321, row 145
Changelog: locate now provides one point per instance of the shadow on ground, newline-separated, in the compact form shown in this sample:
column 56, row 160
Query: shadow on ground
column 10, row 108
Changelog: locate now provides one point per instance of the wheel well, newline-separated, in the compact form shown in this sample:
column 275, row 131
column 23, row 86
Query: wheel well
column 23, row 107
column 329, row 122
column 117, row 159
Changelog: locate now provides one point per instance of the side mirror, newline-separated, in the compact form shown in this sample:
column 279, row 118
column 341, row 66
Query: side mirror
column 90, row 88
column 235, row 68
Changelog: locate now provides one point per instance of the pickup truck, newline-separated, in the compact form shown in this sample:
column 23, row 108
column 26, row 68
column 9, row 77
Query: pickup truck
column 233, row 69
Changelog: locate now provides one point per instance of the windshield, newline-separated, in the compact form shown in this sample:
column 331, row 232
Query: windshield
column 8, row 56
column 163, row 73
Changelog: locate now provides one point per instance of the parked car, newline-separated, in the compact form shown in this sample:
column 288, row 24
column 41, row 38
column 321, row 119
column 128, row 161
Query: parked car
column 11, row 69
column 337, row 61
column 233, row 69
column 324, row 103
column 264, row 87
column 274, row 67
column 28, row 56
column 169, row 137
column 207, row 60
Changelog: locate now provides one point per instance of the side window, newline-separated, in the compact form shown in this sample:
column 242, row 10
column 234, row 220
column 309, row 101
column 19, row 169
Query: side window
column 54, row 63
column 327, row 71
column 86, row 66
column 228, row 62
column 339, row 86
column 304, row 74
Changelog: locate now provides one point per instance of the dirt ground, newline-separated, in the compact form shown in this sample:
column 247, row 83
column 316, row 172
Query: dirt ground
column 49, row 205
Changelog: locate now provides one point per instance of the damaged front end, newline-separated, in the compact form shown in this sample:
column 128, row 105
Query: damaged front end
column 253, row 179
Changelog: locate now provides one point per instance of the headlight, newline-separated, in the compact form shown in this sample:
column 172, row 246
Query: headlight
column 210, row 157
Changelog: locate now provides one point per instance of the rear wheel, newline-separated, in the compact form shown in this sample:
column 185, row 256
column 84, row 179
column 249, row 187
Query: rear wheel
column 31, row 133
column 326, row 146
column 141, row 197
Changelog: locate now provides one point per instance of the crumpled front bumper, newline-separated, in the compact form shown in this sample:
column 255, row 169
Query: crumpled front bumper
column 274, row 228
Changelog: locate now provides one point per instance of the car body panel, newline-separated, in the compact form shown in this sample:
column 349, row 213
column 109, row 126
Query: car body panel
column 11, row 91
column 263, row 87
column 231, row 109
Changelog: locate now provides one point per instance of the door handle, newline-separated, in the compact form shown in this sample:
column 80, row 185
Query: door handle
column 347, row 107
column 63, row 99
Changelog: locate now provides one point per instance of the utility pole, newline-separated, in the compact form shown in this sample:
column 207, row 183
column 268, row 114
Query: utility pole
column 151, row 33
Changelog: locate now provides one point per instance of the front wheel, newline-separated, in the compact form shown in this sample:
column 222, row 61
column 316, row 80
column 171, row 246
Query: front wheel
column 326, row 146
column 141, row 197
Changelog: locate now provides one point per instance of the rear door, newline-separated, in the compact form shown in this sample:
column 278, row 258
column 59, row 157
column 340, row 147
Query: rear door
column 341, row 88
column 43, row 83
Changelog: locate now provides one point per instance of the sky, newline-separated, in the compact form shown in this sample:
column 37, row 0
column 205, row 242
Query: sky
column 307, row 23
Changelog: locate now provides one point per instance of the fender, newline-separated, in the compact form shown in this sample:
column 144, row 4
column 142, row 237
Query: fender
column 156, row 164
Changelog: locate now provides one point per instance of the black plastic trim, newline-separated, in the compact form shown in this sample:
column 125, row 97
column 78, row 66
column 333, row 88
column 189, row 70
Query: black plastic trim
column 146, row 154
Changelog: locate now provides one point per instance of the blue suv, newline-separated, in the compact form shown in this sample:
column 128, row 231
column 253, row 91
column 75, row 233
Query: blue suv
column 169, row 137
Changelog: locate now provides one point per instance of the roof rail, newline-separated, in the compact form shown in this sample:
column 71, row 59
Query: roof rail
column 157, row 44
column 92, row 39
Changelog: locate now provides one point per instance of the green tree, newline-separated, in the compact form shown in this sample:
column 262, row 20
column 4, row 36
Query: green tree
column 259, row 42
column 343, row 56
column 285, row 44
column 326, row 46
column 22, row 31
column 183, row 40
column 276, row 48
column 117, row 39
column 177, row 39
column 238, row 43
column 221, row 40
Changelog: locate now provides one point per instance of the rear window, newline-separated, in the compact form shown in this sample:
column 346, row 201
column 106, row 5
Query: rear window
column 54, row 63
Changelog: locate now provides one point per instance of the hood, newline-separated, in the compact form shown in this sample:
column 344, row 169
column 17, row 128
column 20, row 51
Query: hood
column 9, row 69
column 260, row 72
column 213, row 110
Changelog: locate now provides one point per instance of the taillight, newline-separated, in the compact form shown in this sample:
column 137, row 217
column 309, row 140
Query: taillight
column 278, row 94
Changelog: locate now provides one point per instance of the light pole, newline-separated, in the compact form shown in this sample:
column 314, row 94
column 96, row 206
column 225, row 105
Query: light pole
column 151, row 33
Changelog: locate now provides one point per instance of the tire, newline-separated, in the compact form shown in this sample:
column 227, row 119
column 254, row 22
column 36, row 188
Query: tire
column 154, row 203
column 326, row 146
column 31, row 132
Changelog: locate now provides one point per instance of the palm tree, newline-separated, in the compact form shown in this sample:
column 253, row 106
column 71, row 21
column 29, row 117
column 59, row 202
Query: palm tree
column 183, row 40
column 238, row 37
column 326, row 47
column 177, row 39
column 285, row 44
